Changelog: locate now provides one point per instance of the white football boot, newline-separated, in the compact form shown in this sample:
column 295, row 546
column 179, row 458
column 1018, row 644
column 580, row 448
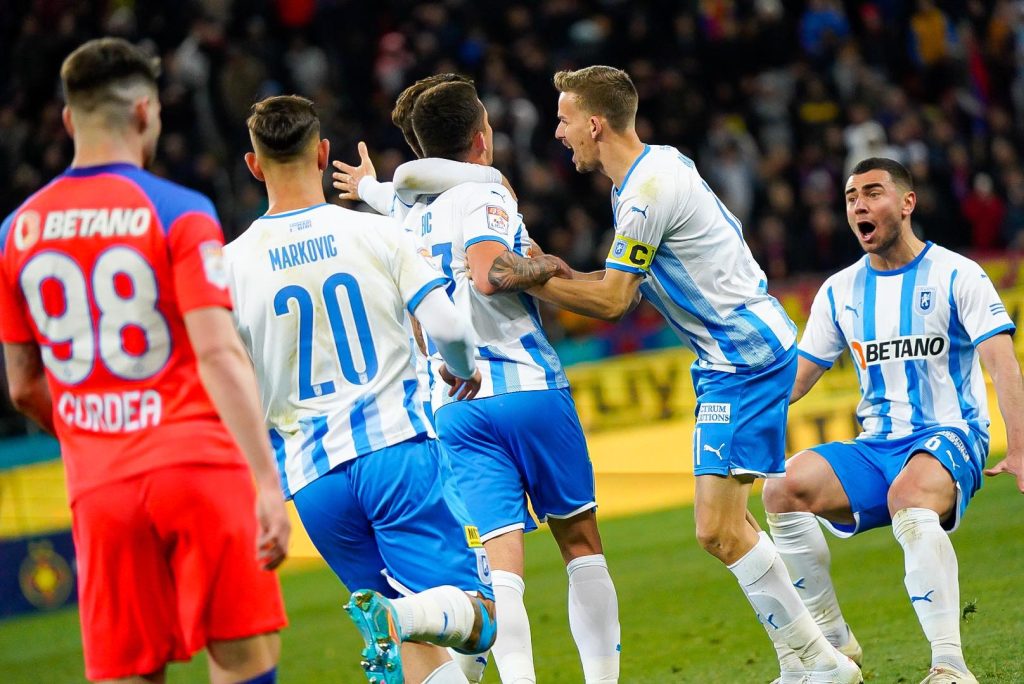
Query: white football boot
column 946, row 674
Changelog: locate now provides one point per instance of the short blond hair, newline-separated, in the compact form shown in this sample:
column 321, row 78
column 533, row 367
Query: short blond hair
column 602, row 90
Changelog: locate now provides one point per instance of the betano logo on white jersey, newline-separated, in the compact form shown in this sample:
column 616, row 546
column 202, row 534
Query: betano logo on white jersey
column 320, row 296
column 912, row 334
column 513, row 353
column 698, row 271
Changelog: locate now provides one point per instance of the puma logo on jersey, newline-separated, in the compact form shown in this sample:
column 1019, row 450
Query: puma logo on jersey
column 717, row 452
column 847, row 307
column 908, row 347
column 61, row 225
column 642, row 212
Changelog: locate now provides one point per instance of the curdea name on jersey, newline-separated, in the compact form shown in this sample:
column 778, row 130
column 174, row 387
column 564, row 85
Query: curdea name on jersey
column 107, row 222
column 904, row 348
column 302, row 252
column 111, row 412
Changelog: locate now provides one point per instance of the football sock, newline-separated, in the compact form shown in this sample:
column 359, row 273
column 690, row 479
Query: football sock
column 763, row 577
column 801, row 543
column 513, row 650
column 594, row 618
column 268, row 677
column 449, row 673
column 931, row 581
column 472, row 666
column 440, row 615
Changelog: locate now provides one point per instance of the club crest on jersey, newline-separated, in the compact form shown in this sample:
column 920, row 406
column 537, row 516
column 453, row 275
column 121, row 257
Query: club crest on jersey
column 924, row 300
column 27, row 229
column 212, row 254
column 497, row 219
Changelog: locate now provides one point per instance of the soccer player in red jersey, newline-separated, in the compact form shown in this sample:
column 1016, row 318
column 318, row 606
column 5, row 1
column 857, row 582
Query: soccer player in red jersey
column 118, row 338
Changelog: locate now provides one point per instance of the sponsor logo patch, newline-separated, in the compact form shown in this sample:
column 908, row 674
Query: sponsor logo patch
column 714, row 413
column 212, row 253
column 483, row 567
column 904, row 348
column 497, row 219
column 27, row 229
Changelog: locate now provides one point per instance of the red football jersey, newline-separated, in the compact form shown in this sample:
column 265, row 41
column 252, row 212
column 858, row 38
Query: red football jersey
column 97, row 268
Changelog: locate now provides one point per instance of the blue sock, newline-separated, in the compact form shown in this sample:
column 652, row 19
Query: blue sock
column 268, row 677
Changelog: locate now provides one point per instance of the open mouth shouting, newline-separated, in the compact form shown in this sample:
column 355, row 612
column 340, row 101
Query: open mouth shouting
column 865, row 230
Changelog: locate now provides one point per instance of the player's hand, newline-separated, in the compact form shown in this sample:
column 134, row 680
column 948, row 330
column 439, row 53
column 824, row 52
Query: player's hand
column 1013, row 464
column 562, row 269
column 347, row 177
column 275, row 528
column 461, row 389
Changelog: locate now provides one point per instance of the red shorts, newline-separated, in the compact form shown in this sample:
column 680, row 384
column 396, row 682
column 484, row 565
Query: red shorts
column 167, row 563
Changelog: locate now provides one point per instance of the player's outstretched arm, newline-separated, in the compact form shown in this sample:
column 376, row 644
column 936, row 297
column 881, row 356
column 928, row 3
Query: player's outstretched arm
column 807, row 374
column 506, row 271
column 228, row 378
column 610, row 298
column 454, row 340
column 999, row 359
column 432, row 176
column 26, row 379
column 536, row 251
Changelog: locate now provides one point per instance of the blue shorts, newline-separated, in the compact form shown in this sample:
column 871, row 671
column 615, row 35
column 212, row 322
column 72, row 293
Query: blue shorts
column 508, row 446
column 392, row 521
column 741, row 419
column 866, row 468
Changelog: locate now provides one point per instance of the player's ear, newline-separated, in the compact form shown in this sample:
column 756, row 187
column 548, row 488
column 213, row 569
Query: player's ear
column 909, row 202
column 596, row 126
column 254, row 166
column 69, row 124
column 479, row 145
column 323, row 154
column 141, row 114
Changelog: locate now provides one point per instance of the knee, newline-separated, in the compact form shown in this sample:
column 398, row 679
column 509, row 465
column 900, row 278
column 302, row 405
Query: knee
column 719, row 540
column 794, row 492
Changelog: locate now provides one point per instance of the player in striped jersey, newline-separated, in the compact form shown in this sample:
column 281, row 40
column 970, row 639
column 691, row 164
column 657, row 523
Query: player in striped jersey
column 916, row 318
column 498, row 452
column 319, row 294
column 677, row 244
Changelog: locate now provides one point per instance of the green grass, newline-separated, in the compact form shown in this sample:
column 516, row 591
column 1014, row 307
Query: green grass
column 683, row 618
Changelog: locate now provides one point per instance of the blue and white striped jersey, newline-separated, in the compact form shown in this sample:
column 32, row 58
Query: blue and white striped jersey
column 319, row 296
column 513, row 352
column 698, row 272
column 912, row 334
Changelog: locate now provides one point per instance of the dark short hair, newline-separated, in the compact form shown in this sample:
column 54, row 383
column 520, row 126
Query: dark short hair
column 602, row 90
column 282, row 126
column 899, row 173
column 401, row 115
column 90, row 73
column 445, row 117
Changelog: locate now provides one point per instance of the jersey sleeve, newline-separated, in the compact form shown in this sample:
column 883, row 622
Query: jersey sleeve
column 413, row 269
column 197, row 261
column 489, row 213
column 978, row 306
column 433, row 176
column 822, row 341
column 639, row 228
column 380, row 196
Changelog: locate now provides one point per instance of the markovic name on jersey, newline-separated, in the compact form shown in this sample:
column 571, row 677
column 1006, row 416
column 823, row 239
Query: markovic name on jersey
column 897, row 349
column 302, row 252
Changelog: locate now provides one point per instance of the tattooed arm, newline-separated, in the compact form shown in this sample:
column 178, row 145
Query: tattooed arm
column 26, row 380
column 510, row 272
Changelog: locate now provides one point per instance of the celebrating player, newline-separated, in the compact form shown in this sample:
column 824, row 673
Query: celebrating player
column 498, row 455
column 320, row 293
column 118, row 339
column 677, row 244
column 916, row 318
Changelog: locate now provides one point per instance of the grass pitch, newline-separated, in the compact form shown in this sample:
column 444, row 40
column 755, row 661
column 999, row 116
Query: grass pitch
column 683, row 617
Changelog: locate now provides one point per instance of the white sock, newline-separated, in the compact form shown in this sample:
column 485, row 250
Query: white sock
column 512, row 649
column 472, row 666
column 763, row 577
column 801, row 543
column 932, row 581
column 441, row 615
column 594, row 618
column 449, row 673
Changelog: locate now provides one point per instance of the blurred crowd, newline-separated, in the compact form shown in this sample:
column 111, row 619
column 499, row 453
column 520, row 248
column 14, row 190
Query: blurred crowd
column 774, row 99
